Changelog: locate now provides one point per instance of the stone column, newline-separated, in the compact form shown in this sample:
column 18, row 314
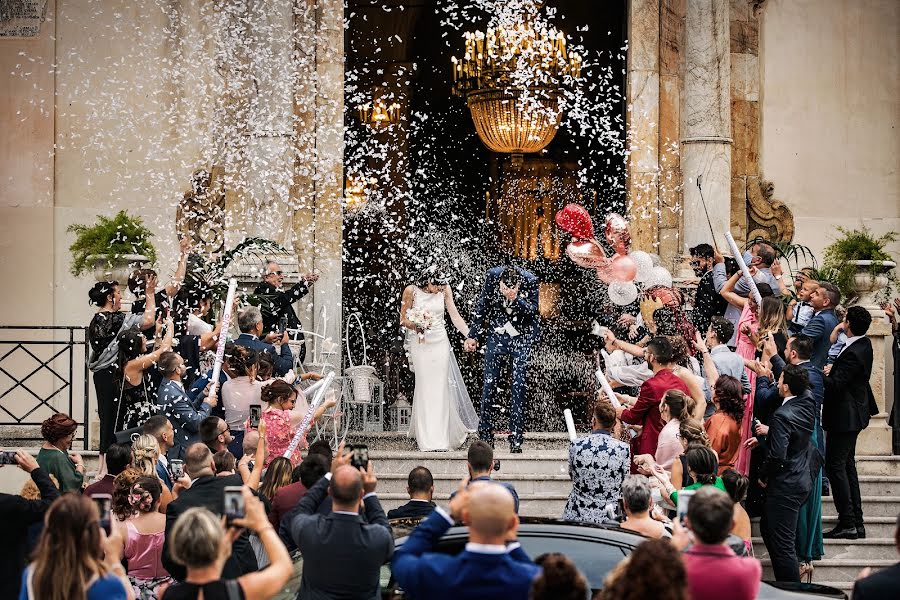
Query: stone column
column 706, row 121
column 875, row 440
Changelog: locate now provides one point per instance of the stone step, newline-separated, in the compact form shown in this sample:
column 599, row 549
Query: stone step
column 879, row 485
column 876, row 527
column 878, row 465
column 392, row 440
column 531, row 505
column 525, row 483
column 876, row 506
column 537, row 463
column 837, row 569
column 869, row 548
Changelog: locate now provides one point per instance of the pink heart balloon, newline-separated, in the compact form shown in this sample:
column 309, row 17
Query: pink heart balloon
column 587, row 254
column 623, row 268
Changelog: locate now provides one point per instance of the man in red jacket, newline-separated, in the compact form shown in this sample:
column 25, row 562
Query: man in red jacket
column 645, row 410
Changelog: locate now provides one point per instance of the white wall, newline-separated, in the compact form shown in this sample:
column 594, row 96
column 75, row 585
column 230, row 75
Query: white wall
column 830, row 87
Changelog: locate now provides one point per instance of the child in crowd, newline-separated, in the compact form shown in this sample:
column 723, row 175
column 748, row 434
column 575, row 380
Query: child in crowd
column 800, row 311
column 838, row 337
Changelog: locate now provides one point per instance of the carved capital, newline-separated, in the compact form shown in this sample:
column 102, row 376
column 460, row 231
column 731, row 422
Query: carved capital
column 767, row 217
column 201, row 213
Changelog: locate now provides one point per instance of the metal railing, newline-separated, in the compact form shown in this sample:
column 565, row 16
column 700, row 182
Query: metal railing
column 44, row 376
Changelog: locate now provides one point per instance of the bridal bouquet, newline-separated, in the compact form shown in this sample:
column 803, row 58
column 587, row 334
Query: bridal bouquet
column 423, row 320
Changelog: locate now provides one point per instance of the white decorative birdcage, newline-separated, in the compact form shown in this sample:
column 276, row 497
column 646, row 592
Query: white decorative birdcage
column 401, row 414
column 364, row 397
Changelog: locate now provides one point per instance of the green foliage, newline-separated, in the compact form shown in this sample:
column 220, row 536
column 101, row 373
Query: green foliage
column 853, row 245
column 202, row 274
column 112, row 238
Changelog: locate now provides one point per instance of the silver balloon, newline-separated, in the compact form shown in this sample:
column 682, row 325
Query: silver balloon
column 658, row 276
column 622, row 293
column 644, row 265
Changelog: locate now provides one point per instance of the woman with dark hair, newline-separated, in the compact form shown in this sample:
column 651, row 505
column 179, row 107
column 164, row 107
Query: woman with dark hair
column 146, row 528
column 675, row 407
column 58, row 432
column 692, row 436
column 559, row 579
column 442, row 413
column 137, row 392
column 75, row 559
column 736, row 486
column 703, row 466
column 199, row 542
column 102, row 336
column 282, row 418
column 163, row 299
column 238, row 393
column 724, row 426
column 653, row 570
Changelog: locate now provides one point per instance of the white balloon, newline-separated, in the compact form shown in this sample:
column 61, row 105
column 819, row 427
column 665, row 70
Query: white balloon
column 644, row 265
column 622, row 293
column 658, row 276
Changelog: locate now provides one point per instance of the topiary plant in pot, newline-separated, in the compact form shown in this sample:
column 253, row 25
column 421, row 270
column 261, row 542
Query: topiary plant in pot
column 863, row 270
column 112, row 247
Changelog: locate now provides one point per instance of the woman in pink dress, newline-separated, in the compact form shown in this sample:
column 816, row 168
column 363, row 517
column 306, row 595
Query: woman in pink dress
column 143, row 543
column 282, row 418
column 747, row 326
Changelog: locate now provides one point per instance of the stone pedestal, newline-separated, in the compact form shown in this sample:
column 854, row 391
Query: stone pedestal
column 876, row 438
column 706, row 122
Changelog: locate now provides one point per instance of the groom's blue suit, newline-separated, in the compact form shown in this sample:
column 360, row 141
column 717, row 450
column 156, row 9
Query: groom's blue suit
column 491, row 313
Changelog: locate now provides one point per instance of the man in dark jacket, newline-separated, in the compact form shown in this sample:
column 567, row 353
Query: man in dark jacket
column 277, row 308
column 18, row 514
column 848, row 404
column 708, row 302
column 786, row 471
column 420, row 486
column 823, row 300
column 342, row 555
column 207, row 491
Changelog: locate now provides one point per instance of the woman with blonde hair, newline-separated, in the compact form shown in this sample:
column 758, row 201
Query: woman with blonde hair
column 145, row 448
column 75, row 559
column 200, row 543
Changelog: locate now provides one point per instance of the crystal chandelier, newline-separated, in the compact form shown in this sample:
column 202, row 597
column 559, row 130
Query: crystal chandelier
column 513, row 78
column 379, row 114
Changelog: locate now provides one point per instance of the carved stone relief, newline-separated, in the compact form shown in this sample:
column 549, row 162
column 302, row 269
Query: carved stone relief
column 201, row 213
column 767, row 217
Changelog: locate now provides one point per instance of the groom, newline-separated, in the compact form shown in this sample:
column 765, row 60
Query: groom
column 507, row 315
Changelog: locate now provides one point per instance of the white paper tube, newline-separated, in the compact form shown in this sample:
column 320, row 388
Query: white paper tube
column 570, row 424
column 740, row 261
column 320, row 387
column 223, row 335
column 607, row 389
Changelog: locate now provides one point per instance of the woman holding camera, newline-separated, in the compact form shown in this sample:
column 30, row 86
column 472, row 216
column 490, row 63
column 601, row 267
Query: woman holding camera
column 201, row 544
column 75, row 558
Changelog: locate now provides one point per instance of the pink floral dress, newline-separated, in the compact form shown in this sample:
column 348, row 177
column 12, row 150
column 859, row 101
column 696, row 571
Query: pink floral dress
column 745, row 349
column 279, row 433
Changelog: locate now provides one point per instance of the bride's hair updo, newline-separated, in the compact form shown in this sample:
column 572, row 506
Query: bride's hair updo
column 431, row 276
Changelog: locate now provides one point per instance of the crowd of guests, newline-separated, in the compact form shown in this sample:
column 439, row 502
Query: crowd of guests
column 741, row 401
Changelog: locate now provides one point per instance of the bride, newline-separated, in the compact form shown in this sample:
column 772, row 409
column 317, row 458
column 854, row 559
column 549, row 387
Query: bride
column 442, row 413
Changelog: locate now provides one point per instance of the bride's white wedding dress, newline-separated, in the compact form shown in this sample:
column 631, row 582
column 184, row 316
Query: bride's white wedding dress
column 442, row 413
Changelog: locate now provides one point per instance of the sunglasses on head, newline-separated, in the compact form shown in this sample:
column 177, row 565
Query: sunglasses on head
column 274, row 272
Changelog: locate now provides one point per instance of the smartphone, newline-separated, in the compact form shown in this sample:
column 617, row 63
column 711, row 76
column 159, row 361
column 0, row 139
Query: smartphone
column 684, row 498
column 176, row 466
column 255, row 415
column 7, row 458
column 360, row 458
column 104, row 507
column 234, row 503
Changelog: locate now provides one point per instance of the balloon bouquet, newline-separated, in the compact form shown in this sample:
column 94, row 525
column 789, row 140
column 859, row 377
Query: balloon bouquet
column 624, row 268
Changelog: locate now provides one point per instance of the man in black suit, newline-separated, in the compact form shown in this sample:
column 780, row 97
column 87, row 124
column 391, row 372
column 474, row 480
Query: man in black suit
column 848, row 404
column 420, row 486
column 207, row 491
column 708, row 301
column 250, row 322
column 278, row 309
column 786, row 470
column 342, row 555
column 884, row 583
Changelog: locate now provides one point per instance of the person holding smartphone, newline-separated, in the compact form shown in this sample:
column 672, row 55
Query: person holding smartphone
column 282, row 419
column 58, row 432
column 19, row 515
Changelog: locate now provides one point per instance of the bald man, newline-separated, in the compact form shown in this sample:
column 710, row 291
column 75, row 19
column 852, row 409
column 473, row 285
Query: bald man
column 342, row 554
column 493, row 565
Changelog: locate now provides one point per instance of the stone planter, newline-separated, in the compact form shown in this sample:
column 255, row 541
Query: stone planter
column 118, row 268
column 868, row 286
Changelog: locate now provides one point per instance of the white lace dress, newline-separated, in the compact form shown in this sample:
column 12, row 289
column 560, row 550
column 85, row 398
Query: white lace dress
column 442, row 412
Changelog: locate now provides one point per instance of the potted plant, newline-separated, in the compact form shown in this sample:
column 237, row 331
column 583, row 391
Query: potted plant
column 863, row 270
column 111, row 248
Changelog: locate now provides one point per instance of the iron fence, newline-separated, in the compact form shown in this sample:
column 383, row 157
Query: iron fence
column 44, row 376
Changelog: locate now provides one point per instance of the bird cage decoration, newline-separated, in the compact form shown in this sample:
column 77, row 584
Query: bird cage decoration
column 365, row 397
column 401, row 414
